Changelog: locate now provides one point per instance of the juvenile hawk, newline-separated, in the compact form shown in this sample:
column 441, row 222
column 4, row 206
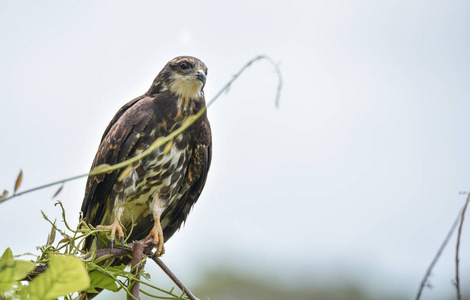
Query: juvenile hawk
column 155, row 197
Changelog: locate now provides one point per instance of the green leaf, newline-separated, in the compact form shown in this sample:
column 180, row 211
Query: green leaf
column 7, row 255
column 12, row 270
column 145, row 275
column 66, row 274
column 100, row 280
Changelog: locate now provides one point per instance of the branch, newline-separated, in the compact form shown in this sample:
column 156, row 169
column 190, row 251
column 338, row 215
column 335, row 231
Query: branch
column 174, row 278
column 438, row 254
column 137, row 257
column 43, row 187
column 118, row 251
column 457, row 280
column 227, row 86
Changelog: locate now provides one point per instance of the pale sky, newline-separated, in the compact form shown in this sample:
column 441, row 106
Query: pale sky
column 356, row 178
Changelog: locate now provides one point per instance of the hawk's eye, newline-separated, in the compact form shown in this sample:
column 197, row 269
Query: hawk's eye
column 184, row 66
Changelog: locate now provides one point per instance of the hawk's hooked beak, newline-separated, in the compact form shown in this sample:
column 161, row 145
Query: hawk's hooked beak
column 202, row 77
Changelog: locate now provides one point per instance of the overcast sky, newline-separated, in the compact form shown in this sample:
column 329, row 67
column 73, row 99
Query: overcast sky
column 356, row 178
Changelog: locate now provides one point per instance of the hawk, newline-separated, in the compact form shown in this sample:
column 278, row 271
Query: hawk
column 154, row 198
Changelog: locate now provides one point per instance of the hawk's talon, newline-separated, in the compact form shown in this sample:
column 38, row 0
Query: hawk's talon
column 122, row 243
column 113, row 227
column 157, row 235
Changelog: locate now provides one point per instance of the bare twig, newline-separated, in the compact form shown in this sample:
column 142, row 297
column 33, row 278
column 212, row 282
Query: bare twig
column 457, row 279
column 438, row 254
column 44, row 186
column 137, row 257
column 174, row 278
column 227, row 86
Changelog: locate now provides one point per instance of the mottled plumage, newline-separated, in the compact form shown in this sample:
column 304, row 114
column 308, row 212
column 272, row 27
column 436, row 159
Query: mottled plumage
column 162, row 187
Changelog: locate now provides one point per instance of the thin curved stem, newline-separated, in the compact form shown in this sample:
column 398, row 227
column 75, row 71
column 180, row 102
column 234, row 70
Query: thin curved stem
column 457, row 279
column 438, row 254
column 44, row 186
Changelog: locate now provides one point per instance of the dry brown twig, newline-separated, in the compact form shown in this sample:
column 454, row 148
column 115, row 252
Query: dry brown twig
column 459, row 217
column 457, row 279
column 437, row 256
column 137, row 265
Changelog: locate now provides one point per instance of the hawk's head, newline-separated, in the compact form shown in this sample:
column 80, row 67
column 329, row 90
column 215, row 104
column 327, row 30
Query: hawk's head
column 183, row 75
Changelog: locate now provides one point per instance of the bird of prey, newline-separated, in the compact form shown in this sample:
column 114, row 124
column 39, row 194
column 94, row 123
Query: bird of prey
column 153, row 197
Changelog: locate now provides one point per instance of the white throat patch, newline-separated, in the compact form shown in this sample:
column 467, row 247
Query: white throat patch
column 186, row 86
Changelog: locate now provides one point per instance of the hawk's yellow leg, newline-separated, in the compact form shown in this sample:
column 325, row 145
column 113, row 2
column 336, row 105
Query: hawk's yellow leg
column 157, row 234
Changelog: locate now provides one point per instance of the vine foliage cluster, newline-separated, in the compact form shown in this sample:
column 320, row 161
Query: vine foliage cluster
column 64, row 269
